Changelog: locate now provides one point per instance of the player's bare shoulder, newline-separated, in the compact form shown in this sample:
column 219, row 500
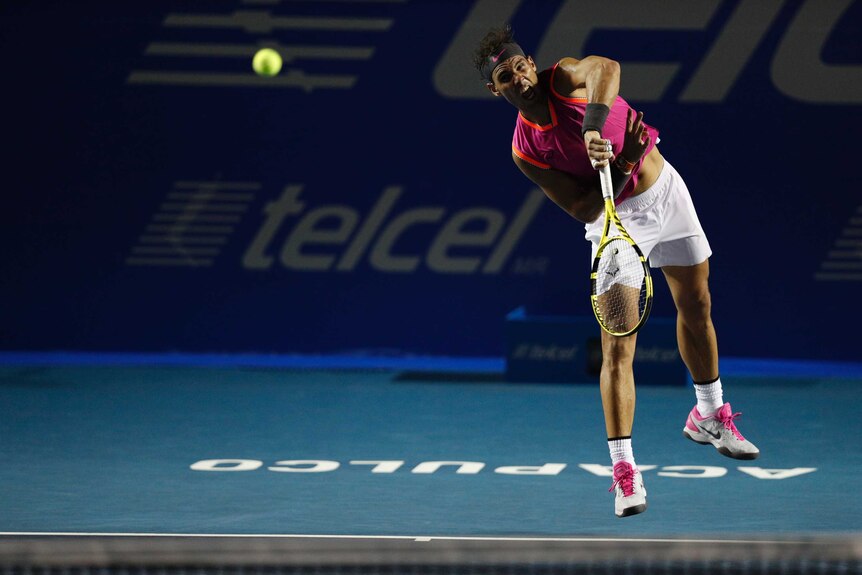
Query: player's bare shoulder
column 568, row 79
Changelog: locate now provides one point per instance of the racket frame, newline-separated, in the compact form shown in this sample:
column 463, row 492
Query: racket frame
column 611, row 214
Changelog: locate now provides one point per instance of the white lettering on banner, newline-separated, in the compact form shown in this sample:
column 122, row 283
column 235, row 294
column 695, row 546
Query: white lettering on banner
column 656, row 354
column 531, row 266
column 731, row 51
column 843, row 262
column 576, row 20
column 262, row 27
column 797, row 69
column 307, row 232
column 547, row 353
column 388, row 466
column 453, row 234
column 454, row 76
column 277, row 211
column 382, row 257
column 369, row 227
column 312, row 244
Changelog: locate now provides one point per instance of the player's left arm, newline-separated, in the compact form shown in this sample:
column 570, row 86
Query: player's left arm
column 598, row 79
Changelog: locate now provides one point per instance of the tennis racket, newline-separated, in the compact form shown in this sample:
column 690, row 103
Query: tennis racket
column 621, row 283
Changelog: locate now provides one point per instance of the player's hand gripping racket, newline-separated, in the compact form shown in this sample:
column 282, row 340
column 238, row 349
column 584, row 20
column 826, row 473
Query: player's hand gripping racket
column 620, row 278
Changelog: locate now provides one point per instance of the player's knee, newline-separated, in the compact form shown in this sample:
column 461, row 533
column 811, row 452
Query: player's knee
column 617, row 353
column 696, row 304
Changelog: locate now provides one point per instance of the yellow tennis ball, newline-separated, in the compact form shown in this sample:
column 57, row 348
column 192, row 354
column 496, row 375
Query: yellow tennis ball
column 266, row 62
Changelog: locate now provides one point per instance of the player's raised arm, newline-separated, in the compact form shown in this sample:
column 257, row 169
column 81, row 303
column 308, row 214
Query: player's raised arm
column 598, row 79
column 595, row 77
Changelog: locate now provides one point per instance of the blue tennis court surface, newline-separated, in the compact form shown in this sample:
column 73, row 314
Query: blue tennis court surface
column 111, row 449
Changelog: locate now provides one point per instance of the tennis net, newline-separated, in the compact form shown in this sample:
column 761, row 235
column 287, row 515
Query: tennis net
column 272, row 555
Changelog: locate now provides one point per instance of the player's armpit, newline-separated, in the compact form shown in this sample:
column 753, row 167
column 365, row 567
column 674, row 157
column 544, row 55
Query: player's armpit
column 581, row 199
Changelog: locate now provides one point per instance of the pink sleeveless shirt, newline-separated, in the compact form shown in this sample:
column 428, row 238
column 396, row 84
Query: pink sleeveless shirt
column 560, row 145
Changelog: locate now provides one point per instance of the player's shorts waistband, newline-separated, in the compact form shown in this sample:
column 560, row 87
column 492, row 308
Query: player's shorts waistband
column 648, row 197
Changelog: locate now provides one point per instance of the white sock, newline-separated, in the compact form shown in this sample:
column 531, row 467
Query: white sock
column 621, row 450
column 709, row 397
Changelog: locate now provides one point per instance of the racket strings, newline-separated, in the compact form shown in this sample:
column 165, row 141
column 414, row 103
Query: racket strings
column 620, row 287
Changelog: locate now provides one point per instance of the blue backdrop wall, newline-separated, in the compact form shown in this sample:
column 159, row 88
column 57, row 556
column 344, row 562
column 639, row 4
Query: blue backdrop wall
column 160, row 196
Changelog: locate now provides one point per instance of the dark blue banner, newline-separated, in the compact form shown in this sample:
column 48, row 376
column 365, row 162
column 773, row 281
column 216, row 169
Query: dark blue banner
column 161, row 196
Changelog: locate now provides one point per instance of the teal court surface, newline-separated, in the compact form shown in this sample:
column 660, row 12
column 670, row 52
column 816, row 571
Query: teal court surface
column 98, row 449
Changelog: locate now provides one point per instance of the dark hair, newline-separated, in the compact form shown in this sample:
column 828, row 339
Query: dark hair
column 491, row 43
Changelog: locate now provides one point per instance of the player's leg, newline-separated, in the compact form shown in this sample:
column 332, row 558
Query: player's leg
column 619, row 305
column 618, row 402
column 618, row 384
column 617, row 379
column 695, row 333
column 711, row 420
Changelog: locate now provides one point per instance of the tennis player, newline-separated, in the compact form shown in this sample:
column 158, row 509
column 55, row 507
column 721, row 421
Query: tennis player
column 570, row 121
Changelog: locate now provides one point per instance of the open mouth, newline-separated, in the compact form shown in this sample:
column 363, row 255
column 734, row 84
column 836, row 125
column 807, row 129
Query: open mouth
column 528, row 94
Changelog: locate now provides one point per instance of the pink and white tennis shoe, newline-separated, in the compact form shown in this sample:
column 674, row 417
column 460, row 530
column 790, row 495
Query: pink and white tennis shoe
column 719, row 430
column 630, row 491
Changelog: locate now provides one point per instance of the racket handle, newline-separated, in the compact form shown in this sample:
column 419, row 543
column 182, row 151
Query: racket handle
column 607, row 182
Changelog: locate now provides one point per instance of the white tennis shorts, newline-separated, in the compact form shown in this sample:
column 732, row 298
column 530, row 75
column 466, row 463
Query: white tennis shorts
column 662, row 221
column 609, row 272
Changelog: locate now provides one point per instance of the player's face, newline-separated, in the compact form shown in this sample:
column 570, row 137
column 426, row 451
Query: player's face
column 517, row 81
